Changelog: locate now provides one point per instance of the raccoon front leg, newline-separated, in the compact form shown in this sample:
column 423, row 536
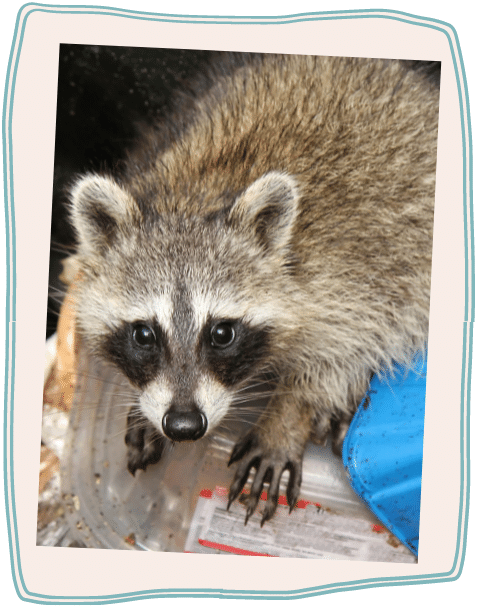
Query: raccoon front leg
column 144, row 442
column 275, row 444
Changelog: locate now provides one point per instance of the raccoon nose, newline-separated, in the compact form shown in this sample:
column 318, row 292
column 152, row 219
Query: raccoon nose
column 182, row 426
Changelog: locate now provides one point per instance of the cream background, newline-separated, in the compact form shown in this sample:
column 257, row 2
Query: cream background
column 33, row 164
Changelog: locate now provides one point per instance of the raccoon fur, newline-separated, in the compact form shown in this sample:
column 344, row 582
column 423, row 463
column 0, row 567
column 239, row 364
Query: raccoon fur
column 279, row 224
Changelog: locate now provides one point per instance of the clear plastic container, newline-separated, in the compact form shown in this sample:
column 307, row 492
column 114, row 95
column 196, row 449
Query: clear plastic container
column 160, row 508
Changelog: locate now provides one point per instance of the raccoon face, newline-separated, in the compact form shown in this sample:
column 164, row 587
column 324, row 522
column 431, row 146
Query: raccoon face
column 183, row 307
column 187, row 389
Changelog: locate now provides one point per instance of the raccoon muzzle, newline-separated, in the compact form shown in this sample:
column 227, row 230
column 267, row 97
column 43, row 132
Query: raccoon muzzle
column 184, row 426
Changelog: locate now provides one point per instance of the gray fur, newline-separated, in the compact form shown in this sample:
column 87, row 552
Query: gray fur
column 298, row 197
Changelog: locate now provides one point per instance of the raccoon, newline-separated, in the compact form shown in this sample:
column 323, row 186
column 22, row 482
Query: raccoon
column 278, row 225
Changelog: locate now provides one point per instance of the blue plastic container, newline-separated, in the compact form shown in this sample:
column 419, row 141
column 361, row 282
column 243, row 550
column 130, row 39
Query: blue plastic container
column 383, row 450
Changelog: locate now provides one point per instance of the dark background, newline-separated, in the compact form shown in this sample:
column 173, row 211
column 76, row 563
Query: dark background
column 105, row 96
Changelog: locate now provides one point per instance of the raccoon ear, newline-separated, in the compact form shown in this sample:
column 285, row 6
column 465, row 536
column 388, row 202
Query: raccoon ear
column 99, row 207
column 269, row 206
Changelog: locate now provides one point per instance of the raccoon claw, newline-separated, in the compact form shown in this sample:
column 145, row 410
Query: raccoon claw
column 269, row 465
column 241, row 448
column 144, row 443
column 339, row 427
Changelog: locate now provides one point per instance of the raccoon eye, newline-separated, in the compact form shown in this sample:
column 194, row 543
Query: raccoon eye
column 222, row 335
column 143, row 335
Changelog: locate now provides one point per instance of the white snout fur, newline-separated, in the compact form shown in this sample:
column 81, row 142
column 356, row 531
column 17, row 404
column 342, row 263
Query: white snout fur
column 213, row 399
column 155, row 401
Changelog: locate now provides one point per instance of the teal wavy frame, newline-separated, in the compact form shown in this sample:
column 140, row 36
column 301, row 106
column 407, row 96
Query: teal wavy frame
column 459, row 557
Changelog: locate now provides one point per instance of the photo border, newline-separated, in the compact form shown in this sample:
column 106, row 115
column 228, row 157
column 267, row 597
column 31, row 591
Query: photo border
column 458, row 64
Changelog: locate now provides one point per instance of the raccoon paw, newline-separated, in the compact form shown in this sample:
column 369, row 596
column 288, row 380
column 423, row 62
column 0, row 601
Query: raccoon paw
column 339, row 428
column 144, row 442
column 270, row 463
column 336, row 426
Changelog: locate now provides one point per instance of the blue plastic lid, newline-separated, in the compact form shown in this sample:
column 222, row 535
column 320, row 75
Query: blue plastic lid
column 383, row 450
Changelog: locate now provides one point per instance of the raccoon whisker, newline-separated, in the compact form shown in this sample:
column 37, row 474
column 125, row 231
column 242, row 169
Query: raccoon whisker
column 59, row 250
column 214, row 438
column 51, row 310
column 55, row 300
column 89, row 405
column 265, row 394
column 222, row 432
column 122, row 432
column 84, row 375
column 247, row 416
column 248, row 424
column 133, row 423
column 250, row 405
column 128, row 406
column 246, row 388
column 248, row 421
column 169, row 444
column 124, row 408
column 56, row 296
column 256, row 403
column 251, row 398
column 117, row 434
column 124, row 398
column 56, row 289
column 63, row 247
column 124, row 416
column 254, row 388
column 92, row 405
column 253, row 392
column 229, row 417
column 53, row 307
column 247, row 409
